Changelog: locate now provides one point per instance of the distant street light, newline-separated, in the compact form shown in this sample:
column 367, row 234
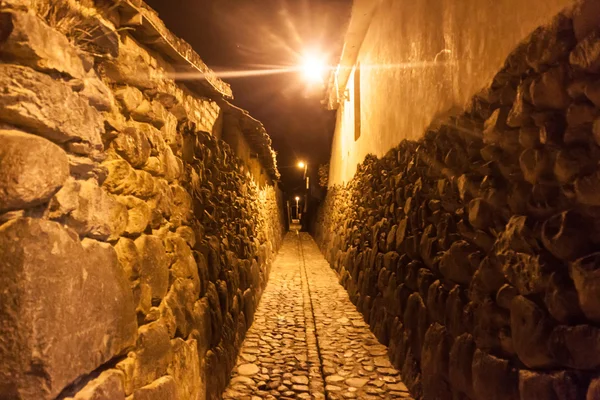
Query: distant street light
column 297, row 207
column 314, row 68
column 304, row 166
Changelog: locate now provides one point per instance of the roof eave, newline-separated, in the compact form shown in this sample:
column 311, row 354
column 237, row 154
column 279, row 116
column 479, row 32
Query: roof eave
column 360, row 20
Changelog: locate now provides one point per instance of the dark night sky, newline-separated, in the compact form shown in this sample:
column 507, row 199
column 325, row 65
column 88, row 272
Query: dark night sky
column 253, row 34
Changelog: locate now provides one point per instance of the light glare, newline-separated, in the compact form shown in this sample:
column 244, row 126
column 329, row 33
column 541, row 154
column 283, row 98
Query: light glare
column 301, row 164
column 314, row 68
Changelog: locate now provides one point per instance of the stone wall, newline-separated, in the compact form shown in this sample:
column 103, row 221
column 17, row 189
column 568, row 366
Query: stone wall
column 134, row 244
column 472, row 252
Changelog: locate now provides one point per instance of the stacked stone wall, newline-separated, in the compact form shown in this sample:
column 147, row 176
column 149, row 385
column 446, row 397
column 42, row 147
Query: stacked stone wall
column 134, row 244
column 473, row 252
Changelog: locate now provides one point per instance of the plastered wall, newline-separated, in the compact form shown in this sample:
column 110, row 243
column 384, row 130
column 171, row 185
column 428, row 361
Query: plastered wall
column 420, row 59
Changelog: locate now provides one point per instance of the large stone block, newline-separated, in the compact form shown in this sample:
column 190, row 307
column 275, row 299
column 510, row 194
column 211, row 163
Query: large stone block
column 586, row 55
column 455, row 316
column 570, row 164
column 107, row 386
column 552, row 386
column 97, row 93
column 586, row 189
column 133, row 145
column 415, row 323
column 47, row 107
column 527, row 273
column 549, row 44
column 435, row 363
column 154, row 264
column 495, row 126
column 150, row 112
column 460, row 364
column 32, row 169
column 132, row 67
column 89, row 210
column 139, row 214
column 202, row 322
column 129, row 97
column 27, row 40
column 180, row 299
column 151, row 358
column 129, row 258
column 562, row 236
column 123, row 179
column 494, row 378
column 549, row 91
column 66, row 308
column 531, row 328
column 164, row 388
column 456, row 263
column 183, row 264
column 535, row 165
column 185, row 369
column 586, row 18
column 576, row 347
column 561, row 299
column 585, row 273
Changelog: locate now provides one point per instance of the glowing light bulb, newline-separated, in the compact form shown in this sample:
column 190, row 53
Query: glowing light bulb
column 314, row 68
column 297, row 198
column 301, row 164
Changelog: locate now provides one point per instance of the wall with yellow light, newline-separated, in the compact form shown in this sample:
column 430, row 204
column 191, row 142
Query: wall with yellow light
column 420, row 60
column 234, row 136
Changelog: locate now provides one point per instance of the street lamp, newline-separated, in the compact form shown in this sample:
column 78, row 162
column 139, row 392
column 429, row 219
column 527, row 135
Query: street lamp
column 304, row 166
column 314, row 68
column 297, row 207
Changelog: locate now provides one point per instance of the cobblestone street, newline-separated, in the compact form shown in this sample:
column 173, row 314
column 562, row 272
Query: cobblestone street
column 308, row 341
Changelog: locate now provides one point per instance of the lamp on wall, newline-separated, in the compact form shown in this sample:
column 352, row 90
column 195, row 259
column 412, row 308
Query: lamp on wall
column 304, row 166
column 346, row 95
column 313, row 67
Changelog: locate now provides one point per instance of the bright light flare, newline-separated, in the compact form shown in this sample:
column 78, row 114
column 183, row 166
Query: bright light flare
column 314, row 68
column 301, row 164
column 297, row 198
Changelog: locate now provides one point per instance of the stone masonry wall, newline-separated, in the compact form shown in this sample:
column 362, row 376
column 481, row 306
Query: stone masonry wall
column 473, row 252
column 134, row 244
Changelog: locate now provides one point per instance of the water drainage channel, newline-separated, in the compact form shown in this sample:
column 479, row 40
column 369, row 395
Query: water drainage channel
column 317, row 380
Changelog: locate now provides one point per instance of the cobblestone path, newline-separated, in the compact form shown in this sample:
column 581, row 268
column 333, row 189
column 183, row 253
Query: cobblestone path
column 308, row 341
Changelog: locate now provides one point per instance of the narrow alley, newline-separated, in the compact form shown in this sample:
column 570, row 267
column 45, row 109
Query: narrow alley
column 308, row 340
column 317, row 200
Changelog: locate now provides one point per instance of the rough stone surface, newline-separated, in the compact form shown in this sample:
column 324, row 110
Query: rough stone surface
column 36, row 102
column 28, row 40
column 586, row 276
column 154, row 267
column 89, row 210
column 82, row 303
column 135, row 242
column 108, row 386
column 164, row 388
column 32, row 169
